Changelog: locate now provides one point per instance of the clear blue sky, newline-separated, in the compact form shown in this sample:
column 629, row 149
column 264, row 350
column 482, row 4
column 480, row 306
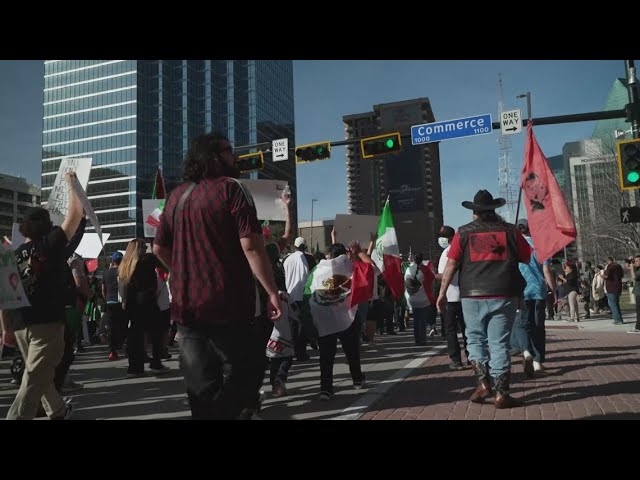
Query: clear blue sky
column 327, row 90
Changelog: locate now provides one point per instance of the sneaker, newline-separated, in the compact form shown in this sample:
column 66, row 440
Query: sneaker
column 68, row 411
column 161, row 370
column 635, row 330
column 358, row 385
column 433, row 332
column 248, row 414
column 325, row 396
column 71, row 386
column 527, row 363
column 537, row 366
column 113, row 356
column 617, row 323
column 279, row 390
column 456, row 366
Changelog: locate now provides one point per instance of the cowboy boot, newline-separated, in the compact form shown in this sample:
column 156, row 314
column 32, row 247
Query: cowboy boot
column 483, row 390
column 503, row 399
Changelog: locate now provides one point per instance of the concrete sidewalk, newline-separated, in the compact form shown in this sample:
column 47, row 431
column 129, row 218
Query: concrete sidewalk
column 592, row 371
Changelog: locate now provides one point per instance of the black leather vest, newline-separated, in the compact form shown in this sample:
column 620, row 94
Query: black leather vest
column 489, row 260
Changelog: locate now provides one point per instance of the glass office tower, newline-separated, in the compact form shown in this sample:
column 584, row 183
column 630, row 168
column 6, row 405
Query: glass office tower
column 132, row 116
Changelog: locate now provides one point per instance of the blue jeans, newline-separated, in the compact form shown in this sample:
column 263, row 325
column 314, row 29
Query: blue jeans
column 279, row 369
column 488, row 325
column 528, row 329
column 614, row 305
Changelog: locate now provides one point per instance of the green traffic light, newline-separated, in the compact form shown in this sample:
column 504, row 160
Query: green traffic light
column 633, row 177
column 320, row 150
column 389, row 143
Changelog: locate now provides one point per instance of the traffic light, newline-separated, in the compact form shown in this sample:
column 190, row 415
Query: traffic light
column 629, row 164
column 313, row 152
column 250, row 162
column 380, row 145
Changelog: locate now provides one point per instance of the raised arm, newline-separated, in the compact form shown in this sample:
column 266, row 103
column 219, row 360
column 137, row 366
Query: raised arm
column 74, row 212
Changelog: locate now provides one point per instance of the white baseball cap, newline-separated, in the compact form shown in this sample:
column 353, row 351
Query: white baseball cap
column 299, row 241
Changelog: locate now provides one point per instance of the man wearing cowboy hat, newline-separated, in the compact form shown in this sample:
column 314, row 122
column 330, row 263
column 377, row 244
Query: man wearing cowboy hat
column 486, row 252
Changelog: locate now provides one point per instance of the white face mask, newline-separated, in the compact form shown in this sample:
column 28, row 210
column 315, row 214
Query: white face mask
column 443, row 242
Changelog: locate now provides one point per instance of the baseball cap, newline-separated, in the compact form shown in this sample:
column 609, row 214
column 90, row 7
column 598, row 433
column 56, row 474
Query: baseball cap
column 446, row 231
column 116, row 257
column 299, row 241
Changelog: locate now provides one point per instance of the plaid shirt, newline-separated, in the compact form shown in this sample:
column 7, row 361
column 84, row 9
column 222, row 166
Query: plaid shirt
column 211, row 281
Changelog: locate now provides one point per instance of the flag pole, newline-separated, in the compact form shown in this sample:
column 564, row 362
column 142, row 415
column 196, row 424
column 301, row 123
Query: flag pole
column 529, row 123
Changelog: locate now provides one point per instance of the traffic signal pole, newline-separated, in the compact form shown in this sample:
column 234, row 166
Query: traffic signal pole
column 630, row 112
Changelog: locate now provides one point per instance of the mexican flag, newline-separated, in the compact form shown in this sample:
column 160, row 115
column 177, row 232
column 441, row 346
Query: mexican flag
column 159, row 190
column 387, row 253
column 154, row 218
column 329, row 291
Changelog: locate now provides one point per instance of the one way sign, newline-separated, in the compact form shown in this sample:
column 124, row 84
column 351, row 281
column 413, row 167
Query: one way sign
column 280, row 150
column 510, row 122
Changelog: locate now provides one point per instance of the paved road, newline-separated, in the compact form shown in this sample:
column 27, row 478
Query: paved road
column 593, row 372
column 107, row 394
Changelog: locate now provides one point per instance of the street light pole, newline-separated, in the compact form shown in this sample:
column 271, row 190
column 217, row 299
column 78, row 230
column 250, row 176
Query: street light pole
column 528, row 97
column 632, row 89
column 313, row 200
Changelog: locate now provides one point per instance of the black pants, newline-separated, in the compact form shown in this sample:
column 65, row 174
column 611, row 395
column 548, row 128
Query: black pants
column 118, row 326
column 454, row 323
column 144, row 319
column 637, row 312
column 300, row 340
column 67, row 359
column 221, row 364
column 536, row 328
column 328, row 347
column 398, row 313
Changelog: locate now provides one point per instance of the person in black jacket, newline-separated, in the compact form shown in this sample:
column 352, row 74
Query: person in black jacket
column 141, row 307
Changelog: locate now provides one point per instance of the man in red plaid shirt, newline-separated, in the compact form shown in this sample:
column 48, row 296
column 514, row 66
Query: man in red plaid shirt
column 214, row 246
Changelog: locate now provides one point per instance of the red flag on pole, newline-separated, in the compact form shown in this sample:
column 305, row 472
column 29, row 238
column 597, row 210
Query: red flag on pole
column 159, row 191
column 550, row 221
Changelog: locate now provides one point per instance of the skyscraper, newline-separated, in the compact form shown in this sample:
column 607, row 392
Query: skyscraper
column 131, row 116
column 16, row 196
column 411, row 178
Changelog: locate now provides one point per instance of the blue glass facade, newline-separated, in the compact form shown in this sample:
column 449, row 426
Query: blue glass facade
column 131, row 116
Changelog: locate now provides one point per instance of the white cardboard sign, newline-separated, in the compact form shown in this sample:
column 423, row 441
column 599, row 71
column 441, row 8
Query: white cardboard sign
column 266, row 196
column 58, row 202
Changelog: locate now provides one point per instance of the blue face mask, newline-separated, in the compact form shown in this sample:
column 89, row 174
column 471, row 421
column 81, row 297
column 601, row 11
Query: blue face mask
column 443, row 242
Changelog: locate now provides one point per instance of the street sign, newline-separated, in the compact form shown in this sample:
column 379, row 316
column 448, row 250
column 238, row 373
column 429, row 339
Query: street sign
column 450, row 129
column 630, row 214
column 511, row 122
column 280, row 150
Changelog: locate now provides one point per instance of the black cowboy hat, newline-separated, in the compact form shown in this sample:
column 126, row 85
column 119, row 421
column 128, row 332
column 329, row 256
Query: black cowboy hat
column 484, row 201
